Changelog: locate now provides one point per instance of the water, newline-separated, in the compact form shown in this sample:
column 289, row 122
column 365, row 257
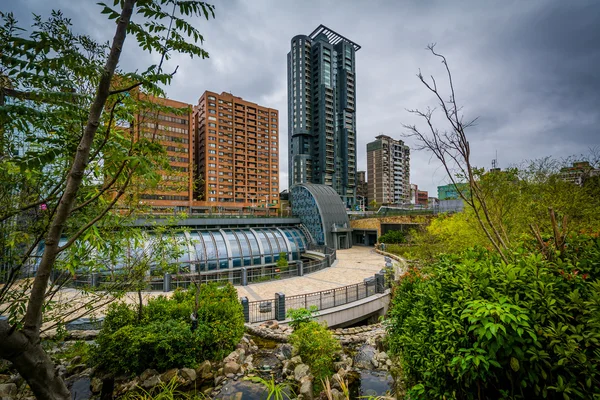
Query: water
column 372, row 383
column 81, row 389
column 243, row 390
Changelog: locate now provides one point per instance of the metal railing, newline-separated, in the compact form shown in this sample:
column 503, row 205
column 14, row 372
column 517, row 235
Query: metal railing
column 265, row 310
column 332, row 298
column 183, row 278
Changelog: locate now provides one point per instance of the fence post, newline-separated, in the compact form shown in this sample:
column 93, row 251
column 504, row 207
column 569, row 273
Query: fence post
column 167, row 282
column 246, row 307
column 320, row 300
column 300, row 268
column 279, row 306
column 244, row 277
column 95, row 279
column 346, row 294
column 379, row 283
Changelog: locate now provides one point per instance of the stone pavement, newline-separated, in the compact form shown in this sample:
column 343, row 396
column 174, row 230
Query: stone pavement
column 352, row 266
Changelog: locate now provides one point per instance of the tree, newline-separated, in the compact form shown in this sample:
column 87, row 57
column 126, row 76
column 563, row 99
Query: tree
column 62, row 94
column 451, row 147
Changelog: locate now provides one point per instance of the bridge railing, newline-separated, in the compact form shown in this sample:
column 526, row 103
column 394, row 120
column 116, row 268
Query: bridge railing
column 277, row 308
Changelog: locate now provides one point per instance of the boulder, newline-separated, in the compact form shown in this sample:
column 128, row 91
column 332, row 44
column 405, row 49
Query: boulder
column 151, row 382
column 147, row 374
column 306, row 388
column 296, row 360
column 166, row 376
column 301, row 371
column 188, row 374
column 204, row 370
column 241, row 355
column 231, row 367
column 233, row 356
column 337, row 395
column 96, row 385
column 8, row 390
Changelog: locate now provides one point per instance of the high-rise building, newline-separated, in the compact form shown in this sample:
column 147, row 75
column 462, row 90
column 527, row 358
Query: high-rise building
column 236, row 153
column 322, row 111
column 174, row 132
column 388, row 168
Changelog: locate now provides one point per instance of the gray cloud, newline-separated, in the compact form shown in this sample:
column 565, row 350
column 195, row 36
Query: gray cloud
column 529, row 70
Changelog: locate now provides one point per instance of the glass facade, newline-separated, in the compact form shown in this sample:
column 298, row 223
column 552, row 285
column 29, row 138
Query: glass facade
column 222, row 249
column 321, row 210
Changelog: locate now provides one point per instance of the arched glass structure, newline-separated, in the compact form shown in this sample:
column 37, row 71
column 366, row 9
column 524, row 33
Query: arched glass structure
column 212, row 250
column 321, row 211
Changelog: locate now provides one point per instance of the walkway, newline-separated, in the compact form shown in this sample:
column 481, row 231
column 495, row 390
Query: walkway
column 352, row 266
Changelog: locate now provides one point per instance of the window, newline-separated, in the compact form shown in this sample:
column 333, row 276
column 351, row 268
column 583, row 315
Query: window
column 211, row 98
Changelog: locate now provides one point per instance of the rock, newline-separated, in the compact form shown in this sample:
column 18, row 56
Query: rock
column 147, row 374
column 301, row 371
column 96, row 385
column 241, row 355
column 286, row 350
column 306, row 388
column 76, row 360
column 233, row 356
column 188, row 374
column 167, row 375
column 8, row 390
column 375, row 363
column 151, row 382
column 4, row 378
column 219, row 379
column 231, row 368
column 388, row 362
column 204, row 370
column 76, row 369
column 296, row 360
column 337, row 395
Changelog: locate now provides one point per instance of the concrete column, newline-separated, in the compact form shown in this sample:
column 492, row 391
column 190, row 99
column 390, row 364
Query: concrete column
column 279, row 306
column 246, row 307
column 379, row 282
column 244, row 277
column 300, row 265
column 95, row 280
column 167, row 282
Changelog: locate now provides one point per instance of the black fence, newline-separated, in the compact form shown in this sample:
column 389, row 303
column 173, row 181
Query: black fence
column 277, row 308
column 184, row 278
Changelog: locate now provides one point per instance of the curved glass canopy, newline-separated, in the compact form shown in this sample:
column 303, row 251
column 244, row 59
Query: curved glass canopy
column 209, row 250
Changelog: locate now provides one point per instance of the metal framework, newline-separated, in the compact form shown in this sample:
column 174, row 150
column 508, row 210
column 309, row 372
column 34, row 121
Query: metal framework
column 333, row 36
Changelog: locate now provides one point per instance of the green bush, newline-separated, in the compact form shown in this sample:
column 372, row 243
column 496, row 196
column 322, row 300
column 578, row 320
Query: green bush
column 317, row 347
column 301, row 316
column 393, row 237
column 472, row 327
column 163, row 338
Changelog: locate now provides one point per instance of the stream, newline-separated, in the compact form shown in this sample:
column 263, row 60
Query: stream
column 367, row 381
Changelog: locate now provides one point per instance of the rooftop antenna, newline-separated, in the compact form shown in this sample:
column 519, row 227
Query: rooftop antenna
column 495, row 161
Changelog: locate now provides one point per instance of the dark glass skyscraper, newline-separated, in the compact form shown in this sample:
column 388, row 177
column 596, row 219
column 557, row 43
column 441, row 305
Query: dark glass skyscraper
column 322, row 111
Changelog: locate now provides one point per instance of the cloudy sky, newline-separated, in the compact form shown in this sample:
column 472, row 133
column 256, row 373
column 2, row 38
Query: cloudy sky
column 530, row 70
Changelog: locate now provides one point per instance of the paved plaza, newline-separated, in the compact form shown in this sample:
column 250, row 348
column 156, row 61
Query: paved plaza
column 352, row 266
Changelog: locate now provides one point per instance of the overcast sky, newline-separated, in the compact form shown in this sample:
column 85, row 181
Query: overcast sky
column 530, row 70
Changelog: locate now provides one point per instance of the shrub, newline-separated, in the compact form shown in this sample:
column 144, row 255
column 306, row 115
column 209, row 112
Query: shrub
column 300, row 316
column 393, row 237
column 470, row 326
column 163, row 338
column 117, row 316
column 317, row 347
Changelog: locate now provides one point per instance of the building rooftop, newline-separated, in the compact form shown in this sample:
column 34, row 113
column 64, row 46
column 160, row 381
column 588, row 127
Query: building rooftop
column 334, row 37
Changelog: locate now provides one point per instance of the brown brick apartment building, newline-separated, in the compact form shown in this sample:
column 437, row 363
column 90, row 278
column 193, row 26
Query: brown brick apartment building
column 236, row 154
column 174, row 132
